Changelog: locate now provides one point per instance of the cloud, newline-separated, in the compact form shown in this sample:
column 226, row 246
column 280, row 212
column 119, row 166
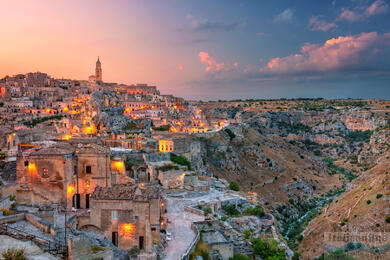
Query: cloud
column 378, row 7
column 354, row 52
column 213, row 66
column 285, row 16
column 317, row 24
column 363, row 12
column 259, row 34
column 207, row 25
column 180, row 67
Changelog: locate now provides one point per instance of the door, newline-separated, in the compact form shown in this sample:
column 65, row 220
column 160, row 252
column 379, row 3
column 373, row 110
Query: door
column 141, row 243
column 76, row 201
column 115, row 238
column 87, row 200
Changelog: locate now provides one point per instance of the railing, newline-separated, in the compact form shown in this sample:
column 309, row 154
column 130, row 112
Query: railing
column 191, row 248
column 46, row 244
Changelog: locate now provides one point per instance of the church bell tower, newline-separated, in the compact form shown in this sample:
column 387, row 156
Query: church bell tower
column 98, row 71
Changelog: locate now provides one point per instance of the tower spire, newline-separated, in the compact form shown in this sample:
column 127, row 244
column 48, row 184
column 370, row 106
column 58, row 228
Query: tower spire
column 98, row 70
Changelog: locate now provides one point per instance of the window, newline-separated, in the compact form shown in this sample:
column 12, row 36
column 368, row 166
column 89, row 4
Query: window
column 153, row 229
column 45, row 172
column 88, row 169
column 26, row 163
column 114, row 215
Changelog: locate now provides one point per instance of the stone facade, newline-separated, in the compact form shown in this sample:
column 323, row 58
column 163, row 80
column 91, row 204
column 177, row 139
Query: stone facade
column 128, row 214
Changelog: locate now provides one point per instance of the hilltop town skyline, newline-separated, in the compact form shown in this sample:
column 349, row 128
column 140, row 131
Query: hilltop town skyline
column 332, row 49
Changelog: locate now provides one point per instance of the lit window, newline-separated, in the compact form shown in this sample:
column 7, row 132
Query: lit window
column 45, row 172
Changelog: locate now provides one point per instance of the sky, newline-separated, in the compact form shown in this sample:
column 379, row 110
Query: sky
column 206, row 49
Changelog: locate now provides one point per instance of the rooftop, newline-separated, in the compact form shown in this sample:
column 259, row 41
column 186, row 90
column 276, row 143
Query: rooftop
column 126, row 192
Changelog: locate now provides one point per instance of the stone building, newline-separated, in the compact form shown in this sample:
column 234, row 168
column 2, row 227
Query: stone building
column 93, row 169
column 128, row 214
column 45, row 176
column 98, row 71
column 62, row 175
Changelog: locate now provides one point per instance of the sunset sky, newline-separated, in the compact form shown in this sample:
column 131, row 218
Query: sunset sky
column 215, row 49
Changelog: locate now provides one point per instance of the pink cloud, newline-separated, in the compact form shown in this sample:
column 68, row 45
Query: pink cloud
column 316, row 24
column 378, row 7
column 180, row 67
column 212, row 65
column 363, row 12
column 344, row 52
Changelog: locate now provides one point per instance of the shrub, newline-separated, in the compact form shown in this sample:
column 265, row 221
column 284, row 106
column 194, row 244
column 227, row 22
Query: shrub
column 387, row 220
column 96, row 249
column 181, row 160
column 368, row 201
column 207, row 211
column 247, row 234
column 234, row 186
column 162, row 128
column 14, row 254
column 231, row 210
column 239, row 257
column 255, row 211
column 11, row 197
column 267, row 249
column 378, row 196
column 133, row 251
column 6, row 212
column 230, row 133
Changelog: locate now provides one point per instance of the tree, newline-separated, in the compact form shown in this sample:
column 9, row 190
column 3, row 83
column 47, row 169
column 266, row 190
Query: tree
column 234, row 186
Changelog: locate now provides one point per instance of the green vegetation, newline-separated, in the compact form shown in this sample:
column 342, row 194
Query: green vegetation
column 294, row 220
column 231, row 210
column 267, row 249
column 294, row 127
column 201, row 249
column 167, row 167
column 6, row 212
column 379, row 195
column 255, row 211
column 134, row 251
column 234, row 186
column 1, row 104
column 207, row 211
column 368, row 202
column 230, row 133
column 338, row 254
column 334, row 169
column 359, row 136
column 162, row 128
column 133, row 126
column 36, row 121
column 247, row 234
column 387, row 220
column 96, row 249
column 12, row 197
column 14, row 254
column 239, row 257
column 181, row 160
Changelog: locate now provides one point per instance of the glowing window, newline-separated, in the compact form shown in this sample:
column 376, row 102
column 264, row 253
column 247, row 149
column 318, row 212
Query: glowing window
column 45, row 172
